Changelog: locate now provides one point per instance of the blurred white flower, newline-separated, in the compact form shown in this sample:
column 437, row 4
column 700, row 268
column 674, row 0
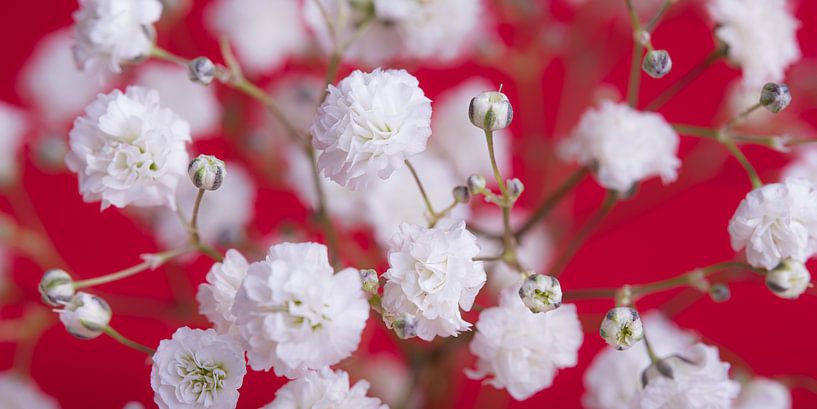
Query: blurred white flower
column 13, row 126
column 762, row 393
column 803, row 165
column 195, row 103
column 521, row 351
column 197, row 369
column 17, row 392
column 789, row 280
column 298, row 96
column 133, row 405
column 295, row 314
column 129, row 150
column 776, row 222
column 217, row 295
column 111, row 33
column 761, row 36
column 739, row 98
column 264, row 32
column 390, row 378
column 432, row 275
column 624, row 146
column 369, row 125
column 324, row 389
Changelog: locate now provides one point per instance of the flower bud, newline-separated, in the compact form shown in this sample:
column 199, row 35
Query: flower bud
column 476, row 184
column 775, row 97
column 369, row 281
column 719, row 292
column 201, row 70
column 85, row 316
column 622, row 328
column 404, row 325
column 490, row 111
column 657, row 63
column 541, row 293
column 789, row 279
column 56, row 287
column 461, row 194
column 515, row 188
column 207, row 172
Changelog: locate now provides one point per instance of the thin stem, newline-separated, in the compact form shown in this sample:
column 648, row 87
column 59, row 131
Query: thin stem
column 658, row 16
column 608, row 204
column 688, row 78
column 508, row 238
column 738, row 154
column 426, row 200
column 127, row 342
column 194, row 219
column 726, row 140
column 162, row 54
column 699, row 131
column 551, row 201
column 489, row 136
column 152, row 263
column 635, row 64
column 323, row 212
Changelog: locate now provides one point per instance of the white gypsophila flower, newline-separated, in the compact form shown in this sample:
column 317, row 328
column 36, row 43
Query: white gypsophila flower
column 761, row 36
column 613, row 379
column 50, row 68
column 803, row 165
column 197, row 369
column 346, row 206
column 776, row 222
column 389, row 378
column 12, row 129
column 461, row 143
column 85, row 316
column 624, row 146
column 521, row 351
column 195, row 103
column 789, row 280
column 217, row 295
column 432, row 275
column 369, row 125
column 700, row 381
column 622, row 328
column 398, row 200
column 111, row 33
column 295, row 314
column 324, row 388
column 223, row 213
column 264, row 32
column 17, row 392
column 129, row 150
column 762, row 393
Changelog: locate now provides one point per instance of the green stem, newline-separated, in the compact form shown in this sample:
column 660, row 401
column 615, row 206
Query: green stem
column 551, row 201
column 608, row 204
column 742, row 116
column 426, row 200
column 508, row 238
column 699, row 131
column 323, row 213
column 152, row 264
column 658, row 16
column 194, row 219
column 738, row 154
column 689, row 77
column 635, row 64
column 127, row 342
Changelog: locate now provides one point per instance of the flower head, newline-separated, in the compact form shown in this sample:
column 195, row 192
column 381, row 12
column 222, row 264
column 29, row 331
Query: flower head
column 217, row 295
column 622, row 328
column 207, row 172
column 789, row 280
column 56, row 287
column 324, row 389
column 762, row 393
column 490, row 111
column 541, row 293
column 85, row 316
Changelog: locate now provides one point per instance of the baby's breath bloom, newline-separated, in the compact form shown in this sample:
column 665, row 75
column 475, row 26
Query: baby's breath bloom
column 324, row 389
column 541, row 293
column 622, row 328
column 762, row 393
column 17, row 392
column 217, row 295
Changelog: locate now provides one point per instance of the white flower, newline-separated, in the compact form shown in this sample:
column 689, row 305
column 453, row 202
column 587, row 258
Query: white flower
column 622, row 328
column 761, row 393
column 490, row 110
column 294, row 314
column 110, row 33
column 56, row 287
column 223, row 215
column 216, row 297
column 12, row 129
column 19, row 393
column 324, row 389
column 776, row 222
column 521, row 351
column 297, row 96
column 761, row 36
column 264, row 32
column 50, row 68
column 624, row 146
column 789, row 280
column 613, row 379
column 389, row 377
column 197, row 104
column 369, row 125
column 85, row 316
column 129, row 150
column 804, row 164
column 700, row 381
column 432, row 275
column 197, row 369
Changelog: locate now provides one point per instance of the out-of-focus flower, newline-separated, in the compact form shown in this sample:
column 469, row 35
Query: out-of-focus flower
column 294, row 314
column 624, row 146
column 803, row 165
column 56, row 287
column 521, row 351
column 217, row 295
column 19, row 393
column 129, row 150
column 264, row 32
column 761, row 36
column 762, row 393
column 85, row 316
column 197, row 369
column 789, row 280
column 432, row 275
column 369, row 125
column 12, row 128
column 389, row 377
column 324, row 389
column 776, row 222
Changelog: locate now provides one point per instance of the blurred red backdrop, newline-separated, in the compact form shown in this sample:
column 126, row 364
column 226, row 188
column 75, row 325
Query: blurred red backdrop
column 662, row 232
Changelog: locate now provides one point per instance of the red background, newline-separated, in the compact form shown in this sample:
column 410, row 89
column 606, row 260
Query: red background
column 662, row 232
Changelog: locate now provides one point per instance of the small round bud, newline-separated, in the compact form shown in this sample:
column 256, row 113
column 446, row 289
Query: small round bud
column 369, row 281
column 201, row 70
column 56, row 287
column 490, row 111
column 404, row 325
column 207, row 172
column 461, row 194
column 657, row 63
column 515, row 188
column 719, row 292
column 476, row 184
column 789, row 280
column 622, row 328
column 85, row 316
column 541, row 293
column 775, row 97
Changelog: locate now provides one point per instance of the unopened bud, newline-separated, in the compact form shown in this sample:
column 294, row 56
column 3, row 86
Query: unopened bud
column 515, row 188
column 476, row 184
column 85, row 316
column 404, row 325
column 490, row 111
column 369, row 281
column 201, row 70
column 56, row 287
column 622, row 328
column 657, row 63
column 461, row 194
column 789, row 280
column 775, row 97
column 719, row 292
column 207, row 172
column 541, row 293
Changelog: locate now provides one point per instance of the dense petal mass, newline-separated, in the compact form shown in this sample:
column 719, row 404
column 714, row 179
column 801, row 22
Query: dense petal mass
column 217, row 295
column 324, row 389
